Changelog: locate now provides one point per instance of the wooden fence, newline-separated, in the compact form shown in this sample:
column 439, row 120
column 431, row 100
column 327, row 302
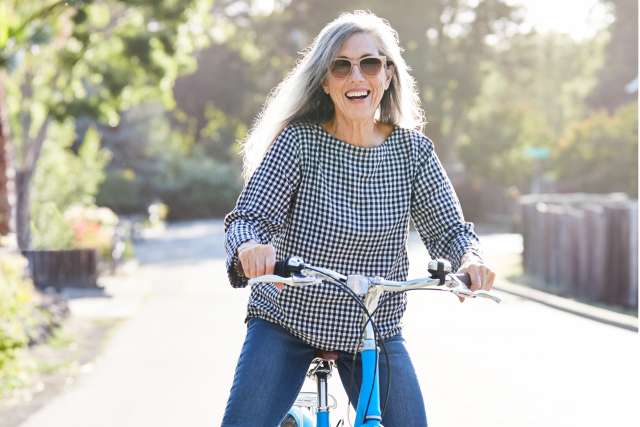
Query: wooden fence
column 582, row 245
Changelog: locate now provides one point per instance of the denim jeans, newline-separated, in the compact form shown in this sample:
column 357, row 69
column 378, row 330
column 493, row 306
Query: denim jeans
column 272, row 367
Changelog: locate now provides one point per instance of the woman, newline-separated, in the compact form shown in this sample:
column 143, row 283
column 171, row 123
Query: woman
column 344, row 170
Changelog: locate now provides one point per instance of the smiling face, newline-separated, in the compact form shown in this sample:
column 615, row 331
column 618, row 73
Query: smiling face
column 357, row 96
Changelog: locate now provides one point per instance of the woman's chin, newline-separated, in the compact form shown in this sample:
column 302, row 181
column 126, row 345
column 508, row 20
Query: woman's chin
column 359, row 115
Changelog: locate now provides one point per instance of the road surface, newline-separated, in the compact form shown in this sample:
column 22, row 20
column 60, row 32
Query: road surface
column 514, row 364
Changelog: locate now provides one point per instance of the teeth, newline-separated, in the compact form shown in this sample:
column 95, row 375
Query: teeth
column 357, row 93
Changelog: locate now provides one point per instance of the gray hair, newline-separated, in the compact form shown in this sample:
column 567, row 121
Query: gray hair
column 300, row 98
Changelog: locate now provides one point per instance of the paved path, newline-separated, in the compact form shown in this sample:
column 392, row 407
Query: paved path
column 515, row 364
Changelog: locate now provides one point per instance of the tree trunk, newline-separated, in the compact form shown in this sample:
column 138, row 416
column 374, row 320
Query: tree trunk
column 23, row 208
column 24, row 175
column 5, row 206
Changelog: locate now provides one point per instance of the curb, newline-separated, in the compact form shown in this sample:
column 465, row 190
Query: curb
column 598, row 314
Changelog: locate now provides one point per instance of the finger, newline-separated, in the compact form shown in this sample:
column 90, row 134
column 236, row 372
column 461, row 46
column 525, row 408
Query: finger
column 476, row 278
column 261, row 266
column 484, row 273
column 280, row 286
column 491, row 277
column 270, row 263
column 254, row 266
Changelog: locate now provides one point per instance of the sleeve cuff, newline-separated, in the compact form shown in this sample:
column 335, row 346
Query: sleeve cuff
column 236, row 236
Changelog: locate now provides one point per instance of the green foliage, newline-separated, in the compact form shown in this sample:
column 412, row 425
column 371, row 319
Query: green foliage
column 600, row 154
column 64, row 179
column 119, row 51
column 123, row 192
column 506, row 120
column 16, row 314
column 195, row 178
column 199, row 187
column 495, row 148
column 193, row 186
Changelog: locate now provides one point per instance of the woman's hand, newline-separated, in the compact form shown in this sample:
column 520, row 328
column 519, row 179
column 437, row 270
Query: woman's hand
column 256, row 259
column 482, row 276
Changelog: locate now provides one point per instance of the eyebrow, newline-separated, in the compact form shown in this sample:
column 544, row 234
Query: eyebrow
column 361, row 56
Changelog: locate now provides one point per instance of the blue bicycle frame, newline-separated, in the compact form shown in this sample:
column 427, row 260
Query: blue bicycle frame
column 368, row 410
column 368, row 413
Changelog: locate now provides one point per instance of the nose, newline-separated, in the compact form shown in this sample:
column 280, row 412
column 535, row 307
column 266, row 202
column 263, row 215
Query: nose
column 356, row 73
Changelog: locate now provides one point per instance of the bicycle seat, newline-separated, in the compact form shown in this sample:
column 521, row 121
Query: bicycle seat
column 327, row 355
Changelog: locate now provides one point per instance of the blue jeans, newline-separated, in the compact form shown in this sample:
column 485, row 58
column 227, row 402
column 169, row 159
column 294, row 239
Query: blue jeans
column 272, row 367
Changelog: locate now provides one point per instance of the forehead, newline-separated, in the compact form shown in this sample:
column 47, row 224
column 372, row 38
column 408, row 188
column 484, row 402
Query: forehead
column 358, row 45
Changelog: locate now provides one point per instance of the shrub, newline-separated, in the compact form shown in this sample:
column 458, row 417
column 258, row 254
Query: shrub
column 123, row 191
column 600, row 154
column 16, row 314
column 64, row 179
column 199, row 187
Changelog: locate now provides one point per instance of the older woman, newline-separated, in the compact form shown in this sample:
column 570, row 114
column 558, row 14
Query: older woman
column 338, row 167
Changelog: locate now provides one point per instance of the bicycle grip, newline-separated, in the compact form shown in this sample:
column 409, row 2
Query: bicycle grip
column 464, row 278
column 281, row 269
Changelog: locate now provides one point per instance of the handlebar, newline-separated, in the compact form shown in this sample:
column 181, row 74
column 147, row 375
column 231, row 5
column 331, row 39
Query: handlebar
column 294, row 272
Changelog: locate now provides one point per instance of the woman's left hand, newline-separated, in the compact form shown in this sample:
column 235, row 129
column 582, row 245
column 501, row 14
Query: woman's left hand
column 482, row 276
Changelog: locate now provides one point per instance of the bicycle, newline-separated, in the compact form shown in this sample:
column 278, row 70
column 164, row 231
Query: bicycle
column 294, row 272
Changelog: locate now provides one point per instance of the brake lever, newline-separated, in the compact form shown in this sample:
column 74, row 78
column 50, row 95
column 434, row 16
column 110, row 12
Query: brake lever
column 485, row 294
column 460, row 289
column 293, row 280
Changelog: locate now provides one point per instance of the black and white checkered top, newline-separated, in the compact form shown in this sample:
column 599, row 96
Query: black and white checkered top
column 346, row 208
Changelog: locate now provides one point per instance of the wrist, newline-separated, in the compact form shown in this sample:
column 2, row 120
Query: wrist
column 470, row 258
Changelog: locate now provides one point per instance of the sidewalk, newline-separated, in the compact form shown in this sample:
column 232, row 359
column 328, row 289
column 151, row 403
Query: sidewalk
column 95, row 314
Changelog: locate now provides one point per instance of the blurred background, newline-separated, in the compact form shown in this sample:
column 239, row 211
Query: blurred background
column 119, row 117
column 125, row 103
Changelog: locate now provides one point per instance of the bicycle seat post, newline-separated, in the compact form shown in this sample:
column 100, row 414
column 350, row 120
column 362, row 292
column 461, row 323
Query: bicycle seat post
column 322, row 371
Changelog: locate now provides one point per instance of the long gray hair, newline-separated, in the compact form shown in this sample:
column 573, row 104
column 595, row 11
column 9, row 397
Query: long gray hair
column 300, row 98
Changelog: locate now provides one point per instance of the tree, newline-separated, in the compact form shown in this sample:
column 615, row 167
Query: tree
column 5, row 167
column 94, row 60
column 621, row 64
column 600, row 154
column 534, row 86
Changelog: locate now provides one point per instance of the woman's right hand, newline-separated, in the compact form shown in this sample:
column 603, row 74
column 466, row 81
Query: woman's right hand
column 256, row 259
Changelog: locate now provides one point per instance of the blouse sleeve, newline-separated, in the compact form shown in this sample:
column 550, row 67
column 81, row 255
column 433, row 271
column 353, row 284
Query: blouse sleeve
column 436, row 211
column 263, row 204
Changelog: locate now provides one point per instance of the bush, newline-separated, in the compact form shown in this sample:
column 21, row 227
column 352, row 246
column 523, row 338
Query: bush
column 26, row 318
column 93, row 227
column 64, row 179
column 199, row 187
column 600, row 154
column 165, row 157
column 16, row 307
column 123, row 191
column 191, row 186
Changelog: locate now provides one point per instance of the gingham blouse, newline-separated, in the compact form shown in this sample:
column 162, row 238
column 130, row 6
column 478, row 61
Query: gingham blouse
column 346, row 208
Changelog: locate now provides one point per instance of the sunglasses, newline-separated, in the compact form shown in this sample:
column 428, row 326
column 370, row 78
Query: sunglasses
column 370, row 66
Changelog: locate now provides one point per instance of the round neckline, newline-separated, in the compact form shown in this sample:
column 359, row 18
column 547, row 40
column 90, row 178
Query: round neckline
column 356, row 147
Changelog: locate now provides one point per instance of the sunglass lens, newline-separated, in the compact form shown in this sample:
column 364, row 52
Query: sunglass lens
column 341, row 68
column 371, row 66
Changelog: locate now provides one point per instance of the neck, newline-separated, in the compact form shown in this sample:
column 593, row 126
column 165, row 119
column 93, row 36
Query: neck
column 359, row 133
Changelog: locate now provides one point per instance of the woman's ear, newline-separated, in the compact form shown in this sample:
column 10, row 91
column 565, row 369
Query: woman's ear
column 389, row 73
column 325, row 87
